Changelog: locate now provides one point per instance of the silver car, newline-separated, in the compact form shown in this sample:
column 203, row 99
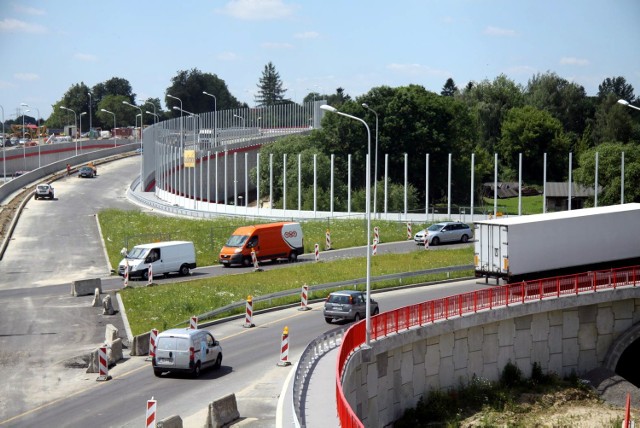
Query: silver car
column 348, row 305
column 451, row 231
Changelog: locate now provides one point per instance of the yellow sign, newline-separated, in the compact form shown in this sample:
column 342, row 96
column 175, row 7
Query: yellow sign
column 189, row 158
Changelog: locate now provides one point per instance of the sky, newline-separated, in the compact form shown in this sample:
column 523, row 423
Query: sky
column 46, row 46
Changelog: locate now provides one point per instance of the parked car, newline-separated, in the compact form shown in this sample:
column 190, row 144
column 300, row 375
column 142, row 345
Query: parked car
column 44, row 190
column 186, row 350
column 347, row 305
column 450, row 231
column 86, row 171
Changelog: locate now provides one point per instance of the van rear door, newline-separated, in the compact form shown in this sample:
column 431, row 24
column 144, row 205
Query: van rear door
column 172, row 352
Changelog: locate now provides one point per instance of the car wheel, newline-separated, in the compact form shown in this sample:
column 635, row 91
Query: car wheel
column 196, row 370
column 145, row 275
column 158, row 373
column 328, row 320
column 465, row 239
column 184, row 270
column 218, row 363
column 357, row 317
column 293, row 257
column 435, row 240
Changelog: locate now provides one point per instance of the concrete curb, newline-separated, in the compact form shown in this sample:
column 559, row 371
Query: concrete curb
column 12, row 226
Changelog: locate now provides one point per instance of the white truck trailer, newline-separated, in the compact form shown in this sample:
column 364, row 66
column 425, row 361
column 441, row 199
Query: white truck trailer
column 544, row 245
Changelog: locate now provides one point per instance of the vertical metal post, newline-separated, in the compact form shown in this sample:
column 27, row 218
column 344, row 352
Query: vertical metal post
column 622, row 180
column 449, row 188
column 271, row 181
column 473, row 174
column 386, row 180
column 406, row 173
column 331, row 192
column 284, row 182
column 595, row 197
column 349, row 183
column 570, row 180
column 544, row 184
column 495, row 184
column 315, row 184
column 519, row 184
column 299, row 182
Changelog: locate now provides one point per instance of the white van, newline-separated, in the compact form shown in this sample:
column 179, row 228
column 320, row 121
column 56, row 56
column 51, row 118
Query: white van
column 164, row 257
column 186, row 350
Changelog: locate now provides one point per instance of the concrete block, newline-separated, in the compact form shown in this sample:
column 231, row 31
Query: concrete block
column 97, row 302
column 107, row 306
column 114, row 351
column 85, row 287
column 111, row 333
column 223, row 411
column 605, row 319
column 174, row 421
column 460, row 353
column 140, row 345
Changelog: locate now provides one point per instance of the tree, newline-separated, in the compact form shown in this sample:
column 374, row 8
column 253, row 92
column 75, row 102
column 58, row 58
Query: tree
column 449, row 89
column 76, row 98
column 188, row 86
column 113, row 86
column 125, row 115
column 617, row 86
column 270, row 90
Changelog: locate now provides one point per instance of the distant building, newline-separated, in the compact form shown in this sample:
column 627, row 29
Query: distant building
column 558, row 196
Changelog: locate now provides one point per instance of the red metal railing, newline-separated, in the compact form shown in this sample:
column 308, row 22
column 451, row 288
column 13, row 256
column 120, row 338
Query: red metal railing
column 454, row 306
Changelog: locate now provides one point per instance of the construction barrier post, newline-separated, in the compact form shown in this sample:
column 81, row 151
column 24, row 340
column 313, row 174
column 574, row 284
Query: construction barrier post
column 627, row 412
column 284, row 348
column 153, row 337
column 317, row 251
column 152, row 406
column 426, row 240
column 193, row 323
column 150, row 281
column 248, row 319
column 126, row 273
column 304, row 298
column 327, row 245
column 254, row 260
column 376, row 238
column 103, row 364
column 409, row 234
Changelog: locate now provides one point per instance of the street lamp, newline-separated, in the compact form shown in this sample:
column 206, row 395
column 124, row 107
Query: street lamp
column 90, row 108
column 75, row 122
column 80, row 127
column 626, row 103
column 4, row 147
column 181, row 137
column 215, row 117
column 155, row 116
column 115, row 136
column 375, row 165
column 240, row 117
column 24, row 145
column 154, row 109
column 368, row 214
column 141, row 150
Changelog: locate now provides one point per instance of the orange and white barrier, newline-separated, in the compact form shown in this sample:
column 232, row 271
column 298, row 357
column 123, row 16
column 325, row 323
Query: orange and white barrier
column 254, row 260
column 304, row 298
column 376, row 239
column 284, row 348
column 152, row 406
column 193, row 323
column 317, row 251
column 409, row 234
column 103, row 364
column 327, row 245
column 248, row 319
column 150, row 280
column 153, row 337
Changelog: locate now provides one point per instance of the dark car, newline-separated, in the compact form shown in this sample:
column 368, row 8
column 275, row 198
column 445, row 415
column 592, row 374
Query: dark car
column 86, row 171
column 348, row 305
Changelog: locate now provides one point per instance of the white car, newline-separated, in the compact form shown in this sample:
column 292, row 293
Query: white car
column 451, row 231
column 44, row 190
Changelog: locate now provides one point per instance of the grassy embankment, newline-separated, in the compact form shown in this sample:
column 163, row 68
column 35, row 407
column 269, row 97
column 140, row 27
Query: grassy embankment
column 166, row 306
column 530, row 205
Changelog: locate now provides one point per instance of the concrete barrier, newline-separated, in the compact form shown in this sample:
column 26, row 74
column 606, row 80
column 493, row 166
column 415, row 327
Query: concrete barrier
column 140, row 345
column 223, row 411
column 85, row 287
column 174, row 421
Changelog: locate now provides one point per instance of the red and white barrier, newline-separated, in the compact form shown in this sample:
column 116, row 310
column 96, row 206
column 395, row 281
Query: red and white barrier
column 376, row 239
column 193, row 323
column 304, row 298
column 327, row 245
column 248, row 319
column 284, row 348
column 627, row 423
column 152, row 406
column 103, row 364
column 126, row 273
column 153, row 337
column 150, row 280
column 317, row 251
column 426, row 240
column 254, row 260
column 409, row 234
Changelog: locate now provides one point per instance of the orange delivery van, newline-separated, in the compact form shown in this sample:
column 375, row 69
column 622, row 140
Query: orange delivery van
column 271, row 241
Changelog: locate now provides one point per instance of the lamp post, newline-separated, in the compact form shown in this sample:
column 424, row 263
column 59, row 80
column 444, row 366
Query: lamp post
column 75, row 122
column 80, row 127
column 4, row 147
column 193, row 116
column 114, row 126
column 368, row 214
column 240, row 117
column 375, row 165
column 181, row 136
column 628, row 104
column 155, row 116
column 141, row 150
column 90, row 124
column 154, row 110
column 215, row 117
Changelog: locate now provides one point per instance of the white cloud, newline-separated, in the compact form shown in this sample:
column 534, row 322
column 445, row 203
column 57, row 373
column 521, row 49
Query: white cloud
column 85, row 57
column 500, row 32
column 228, row 56
column 273, row 45
column 307, row 35
column 417, row 70
column 26, row 76
column 257, row 10
column 569, row 60
column 28, row 10
column 9, row 25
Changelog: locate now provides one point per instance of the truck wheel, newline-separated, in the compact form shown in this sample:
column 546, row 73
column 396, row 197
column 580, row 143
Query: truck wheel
column 435, row 241
column 465, row 239
column 293, row 257
column 246, row 262
column 184, row 270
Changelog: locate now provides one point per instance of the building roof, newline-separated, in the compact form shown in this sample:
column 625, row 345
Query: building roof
column 561, row 190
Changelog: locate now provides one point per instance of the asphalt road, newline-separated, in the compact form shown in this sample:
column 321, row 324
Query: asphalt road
column 43, row 330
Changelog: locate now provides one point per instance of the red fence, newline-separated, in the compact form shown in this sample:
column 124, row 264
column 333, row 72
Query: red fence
column 454, row 306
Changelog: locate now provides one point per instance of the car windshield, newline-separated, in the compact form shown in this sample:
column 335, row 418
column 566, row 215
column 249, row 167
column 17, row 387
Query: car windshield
column 138, row 253
column 435, row 227
column 236, row 240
